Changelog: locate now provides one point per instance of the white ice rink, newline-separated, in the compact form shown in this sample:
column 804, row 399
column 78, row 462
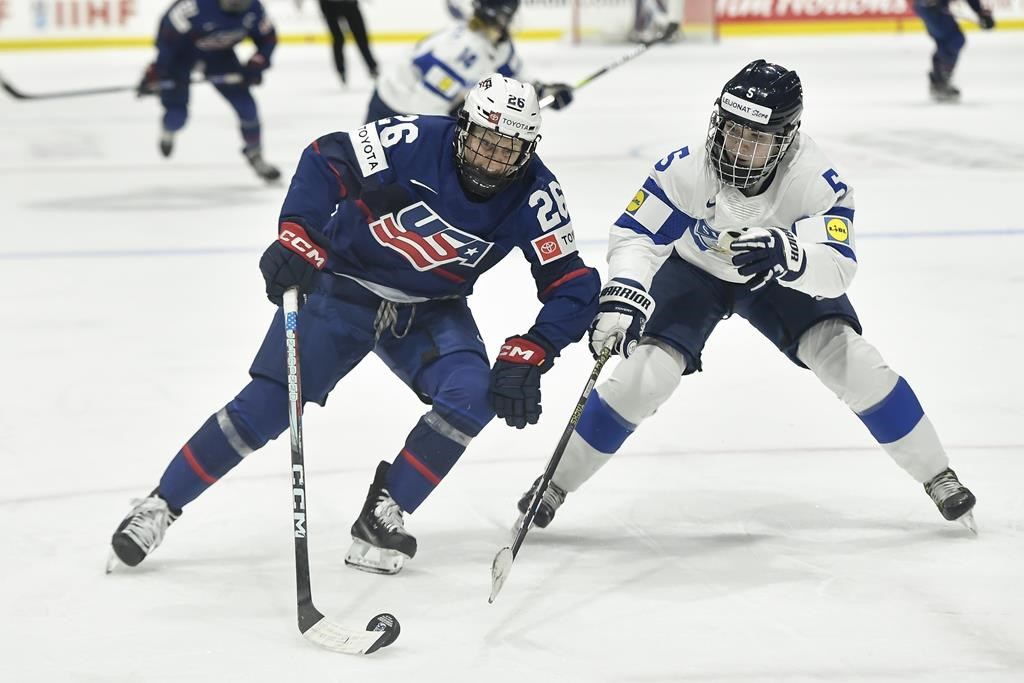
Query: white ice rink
column 751, row 531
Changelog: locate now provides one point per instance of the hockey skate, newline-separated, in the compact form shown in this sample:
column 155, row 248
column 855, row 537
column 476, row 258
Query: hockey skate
column 954, row 500
column 552, row 499
column 941, row 89
column 141, row 531
column 266, row 171
column 380, row 543
column 166, row 143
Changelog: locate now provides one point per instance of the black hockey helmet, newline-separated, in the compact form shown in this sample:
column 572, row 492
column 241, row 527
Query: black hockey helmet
column 496, row 13
column 235, row 6
column 754, row 122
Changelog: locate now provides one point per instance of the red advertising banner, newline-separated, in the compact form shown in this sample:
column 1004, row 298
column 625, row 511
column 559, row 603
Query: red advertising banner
column 811, row 10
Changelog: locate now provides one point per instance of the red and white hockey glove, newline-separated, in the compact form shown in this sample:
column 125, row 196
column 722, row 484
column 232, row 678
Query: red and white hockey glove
column 515, row 379
column 295, row 259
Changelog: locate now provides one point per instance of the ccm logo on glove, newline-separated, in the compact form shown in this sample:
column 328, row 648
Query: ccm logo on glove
column 522, row 350
column 293, row 236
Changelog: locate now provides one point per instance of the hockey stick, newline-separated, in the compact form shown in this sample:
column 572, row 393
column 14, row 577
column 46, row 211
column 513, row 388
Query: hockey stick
column 225, row 79
column 502, row 564
column 669, row 31
column 315, row 627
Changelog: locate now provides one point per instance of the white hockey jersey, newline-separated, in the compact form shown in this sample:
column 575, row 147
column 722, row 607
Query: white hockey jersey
column 683, row 206
column 442, row 69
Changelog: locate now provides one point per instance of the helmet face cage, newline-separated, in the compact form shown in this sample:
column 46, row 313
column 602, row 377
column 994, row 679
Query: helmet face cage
column 235, row 6
column 741, row 154
column 487, row 159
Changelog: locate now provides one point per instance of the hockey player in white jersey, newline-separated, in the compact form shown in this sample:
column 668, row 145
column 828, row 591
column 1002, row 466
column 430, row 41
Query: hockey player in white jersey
column 754, row 222
column 445, row 65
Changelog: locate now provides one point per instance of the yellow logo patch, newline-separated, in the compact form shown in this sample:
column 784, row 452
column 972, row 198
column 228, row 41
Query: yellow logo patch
column 637, row 202
column 837, row 229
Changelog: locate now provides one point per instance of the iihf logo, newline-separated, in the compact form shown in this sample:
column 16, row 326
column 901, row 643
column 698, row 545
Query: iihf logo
column 426, row 240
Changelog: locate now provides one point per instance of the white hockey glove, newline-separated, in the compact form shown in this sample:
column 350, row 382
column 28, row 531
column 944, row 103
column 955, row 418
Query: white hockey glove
column 766, row 254
column 623, row 310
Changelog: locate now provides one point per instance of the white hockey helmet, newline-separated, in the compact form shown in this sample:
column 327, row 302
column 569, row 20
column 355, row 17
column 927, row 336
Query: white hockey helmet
column 498, row 131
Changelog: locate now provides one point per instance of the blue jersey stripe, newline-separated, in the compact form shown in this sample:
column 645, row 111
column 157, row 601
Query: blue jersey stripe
column 843, row 249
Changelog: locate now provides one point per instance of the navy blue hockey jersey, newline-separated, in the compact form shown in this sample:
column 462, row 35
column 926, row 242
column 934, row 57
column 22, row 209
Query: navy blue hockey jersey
column 193, row 28
column 387, row 197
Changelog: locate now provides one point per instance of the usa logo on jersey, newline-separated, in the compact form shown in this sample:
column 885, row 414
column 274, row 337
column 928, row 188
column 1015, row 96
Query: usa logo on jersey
column 426, row 240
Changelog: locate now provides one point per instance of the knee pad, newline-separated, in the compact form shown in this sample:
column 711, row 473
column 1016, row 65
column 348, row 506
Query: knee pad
column 174, row 118
column 460, row 399
column 641, row 383
column 258, row 414
column 847, row 364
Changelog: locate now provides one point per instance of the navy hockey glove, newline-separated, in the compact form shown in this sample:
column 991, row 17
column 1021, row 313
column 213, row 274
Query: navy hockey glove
column 294, row 260
column 560, row 91
column 515, row 379
column 985, row 20
column 254, row 69
column 764, row 254
column 150, row 83
column 622, row 312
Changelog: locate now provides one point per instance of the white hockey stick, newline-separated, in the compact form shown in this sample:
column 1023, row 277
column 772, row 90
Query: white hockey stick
column 315, row 627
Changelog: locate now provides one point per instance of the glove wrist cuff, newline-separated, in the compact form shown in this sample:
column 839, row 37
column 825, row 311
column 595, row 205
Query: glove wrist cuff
column 295, row 238
column 527, row 349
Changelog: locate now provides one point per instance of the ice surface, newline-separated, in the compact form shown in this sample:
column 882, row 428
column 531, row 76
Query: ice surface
column 751, row 531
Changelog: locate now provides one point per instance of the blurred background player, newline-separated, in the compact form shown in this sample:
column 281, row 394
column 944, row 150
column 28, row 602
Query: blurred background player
column 387, row 236
column 650, row 20
column 445, row 65
column 335, row 12
column 202, row 34
column 754, row 222
column 942, row 26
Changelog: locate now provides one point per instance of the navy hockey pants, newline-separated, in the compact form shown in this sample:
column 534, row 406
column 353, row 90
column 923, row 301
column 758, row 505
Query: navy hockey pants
column 946, row 33
column 433, row 347
column 175, row 100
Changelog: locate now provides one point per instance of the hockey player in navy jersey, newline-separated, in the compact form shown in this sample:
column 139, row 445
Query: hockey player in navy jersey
column 445, row 65
column 949, row 39
column 386, row 229
column 196, row 33
column 754, row 222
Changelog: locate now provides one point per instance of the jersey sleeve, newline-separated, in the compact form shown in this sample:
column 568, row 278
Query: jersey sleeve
column 566, row 286
column 331, row 169
column 827, row 239
column 440, row 62
column 173, row 33
column 262, row 33
column 642, row 237
column 509, row 62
